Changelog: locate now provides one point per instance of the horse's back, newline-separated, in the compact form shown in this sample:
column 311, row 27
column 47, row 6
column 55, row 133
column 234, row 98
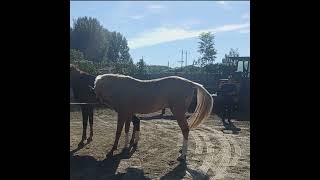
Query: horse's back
column 143, row 96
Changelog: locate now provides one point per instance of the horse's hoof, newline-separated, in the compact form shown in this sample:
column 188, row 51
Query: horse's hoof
column 131, row 143
column 182, row 158
column 125, row 149
column 109, row 155
column 89, row 139
column 81, row 144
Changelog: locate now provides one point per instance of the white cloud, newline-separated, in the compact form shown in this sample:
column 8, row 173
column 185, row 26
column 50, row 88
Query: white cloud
column 137, row 17
column 164, row 34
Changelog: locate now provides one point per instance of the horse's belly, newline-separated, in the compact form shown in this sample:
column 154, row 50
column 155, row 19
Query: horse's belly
column 149, row 106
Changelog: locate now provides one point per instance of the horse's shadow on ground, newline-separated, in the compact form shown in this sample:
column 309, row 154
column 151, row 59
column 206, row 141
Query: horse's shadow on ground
column 231, row 127
column 181, row 170
column 87, row 167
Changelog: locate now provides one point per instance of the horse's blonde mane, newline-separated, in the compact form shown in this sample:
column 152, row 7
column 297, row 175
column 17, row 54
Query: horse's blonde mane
column 121, row 76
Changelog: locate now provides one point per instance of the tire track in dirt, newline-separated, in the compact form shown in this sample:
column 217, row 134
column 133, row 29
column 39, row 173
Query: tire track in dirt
column 224, row 158
column 199, row 143
column 237, row 151
column 134, row 160
column 209, row 158
column 218, row 159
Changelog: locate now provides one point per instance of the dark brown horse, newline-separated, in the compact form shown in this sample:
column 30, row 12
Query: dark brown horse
column 81, row 83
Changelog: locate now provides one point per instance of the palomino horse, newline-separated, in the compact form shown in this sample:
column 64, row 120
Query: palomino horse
column 128, row 96
column 80, row 83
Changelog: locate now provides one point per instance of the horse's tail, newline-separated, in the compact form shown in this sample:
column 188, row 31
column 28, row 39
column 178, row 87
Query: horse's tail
column 203, row 108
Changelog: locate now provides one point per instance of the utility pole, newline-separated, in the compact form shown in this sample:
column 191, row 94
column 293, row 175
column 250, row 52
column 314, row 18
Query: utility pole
column 181, row 59
column 186, row 60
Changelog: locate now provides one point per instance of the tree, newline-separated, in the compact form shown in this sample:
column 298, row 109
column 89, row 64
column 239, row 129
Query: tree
column 102, row 47
column 118, row 54
column 229, row 66
column 77, row 58
column 206, row 49
column 234, row 53
column 157, row 69
column 89, row 37
column 76, row 55
column 141, row 67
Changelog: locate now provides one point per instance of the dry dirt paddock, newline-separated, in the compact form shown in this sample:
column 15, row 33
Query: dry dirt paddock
column 213, row 151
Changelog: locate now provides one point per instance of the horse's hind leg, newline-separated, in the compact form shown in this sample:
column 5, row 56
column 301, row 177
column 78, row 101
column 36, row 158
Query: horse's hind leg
column 136, row 130
column 183, row 124
column 90, row 114
column 121, row 120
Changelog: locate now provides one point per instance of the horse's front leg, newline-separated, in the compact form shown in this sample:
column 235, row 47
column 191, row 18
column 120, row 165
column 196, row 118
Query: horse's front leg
column 121, row 120
column 91, row 124
column 84, row 125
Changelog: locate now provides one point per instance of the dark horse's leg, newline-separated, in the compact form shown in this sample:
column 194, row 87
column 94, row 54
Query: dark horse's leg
column 126, row 130
column 163, row 111
column 224, row 114
column 229, row 113
column 122, row 118
column 90, row 112
column 84, row 111
column 136, row 129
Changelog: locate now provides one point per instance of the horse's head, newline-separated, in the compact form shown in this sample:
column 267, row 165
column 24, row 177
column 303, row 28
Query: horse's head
column 74, row 71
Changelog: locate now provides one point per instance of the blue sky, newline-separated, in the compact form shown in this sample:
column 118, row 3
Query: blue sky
column 159, row 30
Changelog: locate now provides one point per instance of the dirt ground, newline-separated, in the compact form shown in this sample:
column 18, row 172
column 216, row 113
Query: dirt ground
column 214, row 151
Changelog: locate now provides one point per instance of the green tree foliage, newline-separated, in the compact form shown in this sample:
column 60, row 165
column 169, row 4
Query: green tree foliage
column 141, row 67
column 100, row 46
column 157, row 69
column 89, row 37
column 234, row 53
column 77, row 58
column 206, row 49
column 230, row 68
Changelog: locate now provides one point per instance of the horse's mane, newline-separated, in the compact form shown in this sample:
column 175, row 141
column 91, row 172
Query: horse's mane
column 120, row 76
